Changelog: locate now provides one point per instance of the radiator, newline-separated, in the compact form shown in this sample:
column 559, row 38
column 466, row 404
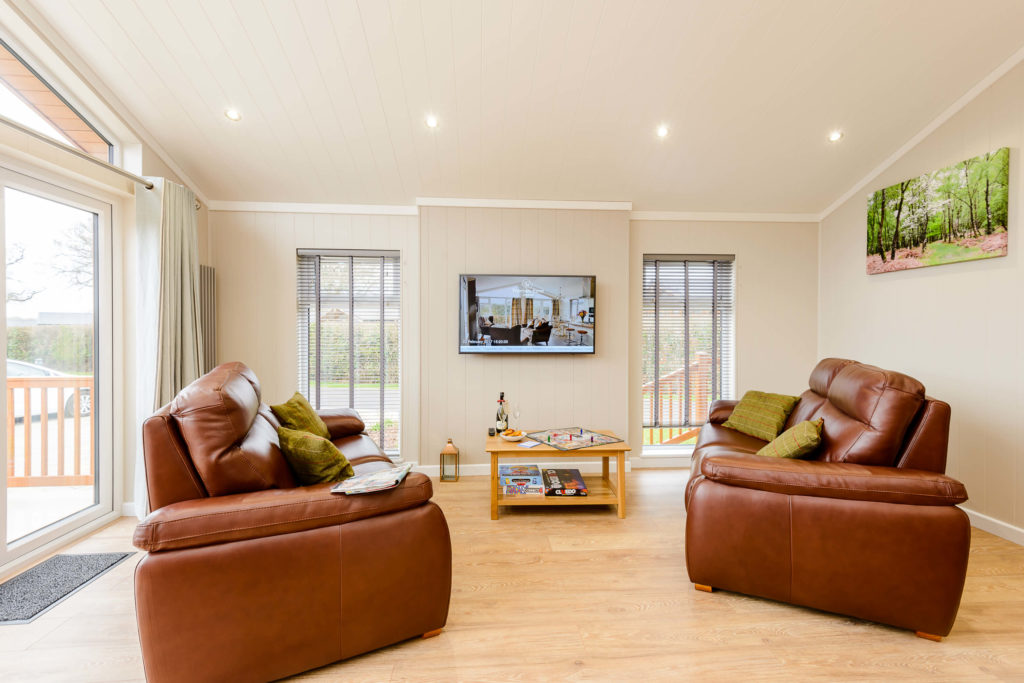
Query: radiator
column 208, row 316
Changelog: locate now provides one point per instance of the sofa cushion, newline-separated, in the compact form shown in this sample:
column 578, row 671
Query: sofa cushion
column 297, row 414
column 834, row 480
column 760, row 414
column 195, row 523
column 313, row 459
column 720, row 435
column 867, row 414
column 796, row 442
column 229, row 433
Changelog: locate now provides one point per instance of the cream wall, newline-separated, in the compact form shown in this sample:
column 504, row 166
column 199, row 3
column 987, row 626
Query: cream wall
column 776, row 297
column 459, row 392
column 254, row 254
column 957, row 328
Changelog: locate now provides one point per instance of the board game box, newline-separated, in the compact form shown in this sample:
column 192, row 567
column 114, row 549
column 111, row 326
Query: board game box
column 519, row 475
column 571, row 438
column 562, row 482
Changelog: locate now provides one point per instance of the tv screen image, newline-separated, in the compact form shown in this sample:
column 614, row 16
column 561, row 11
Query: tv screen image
column 532, row 314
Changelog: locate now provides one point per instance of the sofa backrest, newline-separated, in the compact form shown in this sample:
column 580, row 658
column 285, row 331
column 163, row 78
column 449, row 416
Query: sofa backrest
column 215, row 438
column 874, row 416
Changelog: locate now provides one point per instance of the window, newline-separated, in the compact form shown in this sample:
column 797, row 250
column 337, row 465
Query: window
column 688, row 344
column 29, row 100
column 349, row 336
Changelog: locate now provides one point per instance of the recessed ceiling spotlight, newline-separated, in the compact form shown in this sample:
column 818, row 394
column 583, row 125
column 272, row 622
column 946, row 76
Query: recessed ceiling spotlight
column 662, row 130
column 431, row 121
column 835, row 136
column 233, row 114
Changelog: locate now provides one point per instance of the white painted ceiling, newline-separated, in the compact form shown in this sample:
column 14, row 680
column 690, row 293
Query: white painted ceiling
column 537, row 99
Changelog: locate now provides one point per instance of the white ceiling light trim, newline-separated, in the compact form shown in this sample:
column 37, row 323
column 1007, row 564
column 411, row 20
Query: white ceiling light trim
column 724, row 217
column 965, row 99
column 297, row 207
column 524, row 204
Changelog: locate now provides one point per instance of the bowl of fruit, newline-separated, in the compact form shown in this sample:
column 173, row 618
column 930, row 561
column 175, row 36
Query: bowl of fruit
column 512, row 435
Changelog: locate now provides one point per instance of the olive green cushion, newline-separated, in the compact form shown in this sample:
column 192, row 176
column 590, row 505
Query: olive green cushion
column 761, row 415
column 314, row 459
column 796, row 442
column 296, row 413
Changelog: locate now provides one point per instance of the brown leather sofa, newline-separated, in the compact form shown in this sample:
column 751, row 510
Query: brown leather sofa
column 868, row 528
column 249, row 577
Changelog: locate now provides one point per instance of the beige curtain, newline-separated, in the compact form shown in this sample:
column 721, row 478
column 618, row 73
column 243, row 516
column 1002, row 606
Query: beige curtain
column 554, row 308
column 529, row 310
column 517, row 313
column 179, row 337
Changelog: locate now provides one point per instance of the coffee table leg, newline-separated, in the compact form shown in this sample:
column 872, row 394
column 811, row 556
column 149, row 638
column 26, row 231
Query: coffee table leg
column 494, row 485
column 604, row 468
column 620, row 472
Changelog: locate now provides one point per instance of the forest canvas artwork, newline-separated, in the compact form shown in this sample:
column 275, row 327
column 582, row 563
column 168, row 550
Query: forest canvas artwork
column 957, row 213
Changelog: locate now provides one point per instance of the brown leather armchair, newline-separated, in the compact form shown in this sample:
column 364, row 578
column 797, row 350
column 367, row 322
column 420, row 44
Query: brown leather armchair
column 869, row 528
column 249, row 577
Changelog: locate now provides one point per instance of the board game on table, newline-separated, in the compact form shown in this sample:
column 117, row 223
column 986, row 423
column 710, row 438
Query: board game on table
column 572, row 438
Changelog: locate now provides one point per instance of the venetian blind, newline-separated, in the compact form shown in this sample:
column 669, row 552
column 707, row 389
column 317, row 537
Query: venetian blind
column 349, row 336
column 688, row 337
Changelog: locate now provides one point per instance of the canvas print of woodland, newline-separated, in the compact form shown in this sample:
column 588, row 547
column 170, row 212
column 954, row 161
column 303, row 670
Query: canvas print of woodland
column 957, row 213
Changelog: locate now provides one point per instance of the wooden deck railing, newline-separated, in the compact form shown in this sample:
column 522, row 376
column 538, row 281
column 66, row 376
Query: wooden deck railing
column 32, row 449
column 672, row 387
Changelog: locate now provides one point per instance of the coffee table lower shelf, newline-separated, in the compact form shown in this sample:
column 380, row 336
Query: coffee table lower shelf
column 600, row 492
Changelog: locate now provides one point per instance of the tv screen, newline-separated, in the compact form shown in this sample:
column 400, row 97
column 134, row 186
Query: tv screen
column 537, row 314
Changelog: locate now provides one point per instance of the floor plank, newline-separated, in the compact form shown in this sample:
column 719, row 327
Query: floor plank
column 577, row 594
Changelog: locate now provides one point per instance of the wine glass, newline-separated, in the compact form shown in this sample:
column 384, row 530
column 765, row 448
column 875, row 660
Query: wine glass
column 515, row 413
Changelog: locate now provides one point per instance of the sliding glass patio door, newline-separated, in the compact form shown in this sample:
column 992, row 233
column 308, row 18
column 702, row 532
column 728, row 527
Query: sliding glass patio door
column 55, row 398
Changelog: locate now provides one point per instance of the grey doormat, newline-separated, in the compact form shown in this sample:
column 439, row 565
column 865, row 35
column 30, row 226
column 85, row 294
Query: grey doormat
column 36, row 590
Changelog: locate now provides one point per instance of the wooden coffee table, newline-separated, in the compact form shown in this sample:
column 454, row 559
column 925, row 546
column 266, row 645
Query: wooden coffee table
column 600, row 492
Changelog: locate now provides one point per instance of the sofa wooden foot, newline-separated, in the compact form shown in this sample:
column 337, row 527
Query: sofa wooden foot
column 928, row 636
column 431, row 634
column 702, row 587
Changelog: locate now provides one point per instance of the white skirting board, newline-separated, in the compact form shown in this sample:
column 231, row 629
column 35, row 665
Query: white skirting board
column 1011, row 533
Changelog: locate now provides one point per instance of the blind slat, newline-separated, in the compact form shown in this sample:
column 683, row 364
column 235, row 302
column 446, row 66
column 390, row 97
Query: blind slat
column 349, row 336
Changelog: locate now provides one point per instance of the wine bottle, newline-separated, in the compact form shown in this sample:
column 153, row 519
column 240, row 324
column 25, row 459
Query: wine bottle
column 501, row 419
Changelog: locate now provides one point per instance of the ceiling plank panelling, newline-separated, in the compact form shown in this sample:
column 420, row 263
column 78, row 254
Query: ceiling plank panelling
column 537, row 99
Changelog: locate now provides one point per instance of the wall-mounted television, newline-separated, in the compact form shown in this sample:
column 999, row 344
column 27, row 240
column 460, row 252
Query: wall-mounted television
column 532, row 314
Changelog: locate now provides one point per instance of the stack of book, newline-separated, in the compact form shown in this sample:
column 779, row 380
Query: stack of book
column 529, row 480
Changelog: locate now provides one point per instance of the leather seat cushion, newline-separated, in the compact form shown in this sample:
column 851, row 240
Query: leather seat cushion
column 206, row 521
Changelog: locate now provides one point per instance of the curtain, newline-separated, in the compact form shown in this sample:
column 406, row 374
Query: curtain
column 529, row 310
column 180, row 340
column 554, row 308
column 517, row 313
column 168, row 338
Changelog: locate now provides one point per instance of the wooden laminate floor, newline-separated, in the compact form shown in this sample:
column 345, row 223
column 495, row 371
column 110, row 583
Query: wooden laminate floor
column 577, row 594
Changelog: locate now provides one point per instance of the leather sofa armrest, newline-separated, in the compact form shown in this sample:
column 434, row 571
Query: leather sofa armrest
column 845, row 481
column 243, row 516
column 720, row 410
column 342, row 422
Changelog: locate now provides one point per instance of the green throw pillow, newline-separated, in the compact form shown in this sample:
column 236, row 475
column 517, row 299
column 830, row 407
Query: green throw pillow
column 796, row 442
column 314, row 460
column 296, row 413
column 761, row 415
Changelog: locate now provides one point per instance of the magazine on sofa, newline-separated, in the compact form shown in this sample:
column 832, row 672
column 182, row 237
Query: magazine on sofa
column 381, row 480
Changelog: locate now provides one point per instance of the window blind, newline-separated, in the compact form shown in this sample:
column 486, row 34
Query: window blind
column 349, row 336
column 688, row 339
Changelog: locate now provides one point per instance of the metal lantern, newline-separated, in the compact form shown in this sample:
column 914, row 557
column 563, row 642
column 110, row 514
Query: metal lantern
column 449, row 462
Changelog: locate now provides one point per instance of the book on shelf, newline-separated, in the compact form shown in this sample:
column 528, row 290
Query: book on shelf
column 520, row 475
column 564, row 482
column 379, row 480
column 522, row 490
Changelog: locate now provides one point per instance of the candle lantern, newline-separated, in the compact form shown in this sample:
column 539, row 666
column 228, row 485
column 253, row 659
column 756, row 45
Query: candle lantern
column 449, row 462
